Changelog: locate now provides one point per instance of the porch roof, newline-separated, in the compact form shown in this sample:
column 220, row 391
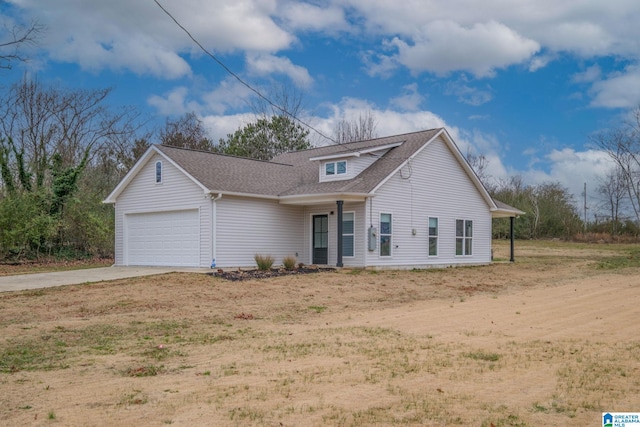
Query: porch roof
column 505, row 211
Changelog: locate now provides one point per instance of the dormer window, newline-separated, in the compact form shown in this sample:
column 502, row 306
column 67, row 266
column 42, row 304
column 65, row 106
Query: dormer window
column 335, row 168
column 158, row 172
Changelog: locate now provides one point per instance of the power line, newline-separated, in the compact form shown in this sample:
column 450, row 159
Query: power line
column 228, row 70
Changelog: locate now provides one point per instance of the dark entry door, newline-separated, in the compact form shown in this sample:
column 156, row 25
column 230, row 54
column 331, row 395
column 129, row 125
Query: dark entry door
column 320, row 239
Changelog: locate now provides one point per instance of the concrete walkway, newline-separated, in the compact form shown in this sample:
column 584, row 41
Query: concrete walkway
column 89, row 275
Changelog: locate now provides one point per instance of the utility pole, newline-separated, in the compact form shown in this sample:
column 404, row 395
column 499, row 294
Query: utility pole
column 585, row 206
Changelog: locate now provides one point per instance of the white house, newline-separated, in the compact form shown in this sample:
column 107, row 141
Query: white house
column 402, row 201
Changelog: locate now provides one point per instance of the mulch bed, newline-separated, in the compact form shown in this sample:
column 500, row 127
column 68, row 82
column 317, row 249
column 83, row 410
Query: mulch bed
column 235, row 275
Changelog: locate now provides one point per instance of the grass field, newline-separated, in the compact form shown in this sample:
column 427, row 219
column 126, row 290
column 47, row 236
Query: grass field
column 549, row 340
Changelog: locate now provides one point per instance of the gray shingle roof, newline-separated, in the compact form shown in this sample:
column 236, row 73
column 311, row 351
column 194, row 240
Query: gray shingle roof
column 219, row 172
column 292, row 174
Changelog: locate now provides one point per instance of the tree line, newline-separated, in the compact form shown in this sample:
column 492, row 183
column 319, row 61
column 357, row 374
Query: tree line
column 62, row 151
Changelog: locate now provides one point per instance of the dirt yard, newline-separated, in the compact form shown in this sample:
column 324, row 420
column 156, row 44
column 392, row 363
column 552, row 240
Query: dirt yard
column 552, row 340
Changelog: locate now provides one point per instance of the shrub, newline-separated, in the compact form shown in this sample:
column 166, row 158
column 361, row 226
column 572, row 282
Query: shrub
column 264, row 262
column 289, row 262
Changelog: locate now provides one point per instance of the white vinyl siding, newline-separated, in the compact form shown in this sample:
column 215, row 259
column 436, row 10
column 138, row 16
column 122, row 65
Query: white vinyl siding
column 435, row 186
column 247, row 226
column 178, row 193
column 359, row 164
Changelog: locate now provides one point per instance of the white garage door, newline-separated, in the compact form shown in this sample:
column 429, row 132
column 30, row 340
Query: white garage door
column 163, row 238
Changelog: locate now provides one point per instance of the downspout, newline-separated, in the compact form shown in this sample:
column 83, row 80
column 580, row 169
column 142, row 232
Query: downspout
column 340, row 204
column 214, row 221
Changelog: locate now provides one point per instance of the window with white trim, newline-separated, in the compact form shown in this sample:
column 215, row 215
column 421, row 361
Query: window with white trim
column 433, row 236
column 158, row 172
column 464, row 236
column 335, row 168
column 348, row 236
column 385, row 234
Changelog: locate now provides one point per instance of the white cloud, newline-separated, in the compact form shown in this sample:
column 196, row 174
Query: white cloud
column 266, row 64
column 591, row 74
column 481, row 143
column 138, row 36
column 439, row 36
column 587, row 28
column 172, row 103
column 389, row 122
column 467, row 94
column 591, row 27
column 479, row 117
column 230, row 94
column 444, row 46
column 411, row 99
column 619, row 90
column 377, row 64
column 540, row 61
column 582, row 37
column 309, row 17
column 219, row 126
column 572, row 169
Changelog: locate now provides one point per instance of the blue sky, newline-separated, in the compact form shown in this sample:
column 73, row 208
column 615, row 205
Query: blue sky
column 524, row 82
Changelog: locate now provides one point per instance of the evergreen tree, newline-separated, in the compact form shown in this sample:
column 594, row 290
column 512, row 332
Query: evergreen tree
column 265, row 139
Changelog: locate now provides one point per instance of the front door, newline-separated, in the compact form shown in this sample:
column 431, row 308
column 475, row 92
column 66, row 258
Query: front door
column 320, row 239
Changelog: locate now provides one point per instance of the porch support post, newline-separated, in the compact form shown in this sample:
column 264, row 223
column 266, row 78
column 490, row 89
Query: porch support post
column 511, row 221
column 339, row 240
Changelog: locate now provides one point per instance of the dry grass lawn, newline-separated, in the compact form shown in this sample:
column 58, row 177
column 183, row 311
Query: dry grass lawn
column 550, row 340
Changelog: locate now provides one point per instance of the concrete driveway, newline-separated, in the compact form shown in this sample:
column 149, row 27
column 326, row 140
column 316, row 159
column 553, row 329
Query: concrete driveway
column 89, row 275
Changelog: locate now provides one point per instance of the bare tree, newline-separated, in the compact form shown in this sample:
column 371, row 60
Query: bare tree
column 37, row 122
column 480, row 164
column 623, row 146
column 13, row 41
column 612, row 191
column 361, row 129
column 286, row 100
column 186, row 132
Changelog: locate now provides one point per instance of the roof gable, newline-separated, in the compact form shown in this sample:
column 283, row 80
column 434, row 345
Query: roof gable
column 135, row 170
column 461, row 160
